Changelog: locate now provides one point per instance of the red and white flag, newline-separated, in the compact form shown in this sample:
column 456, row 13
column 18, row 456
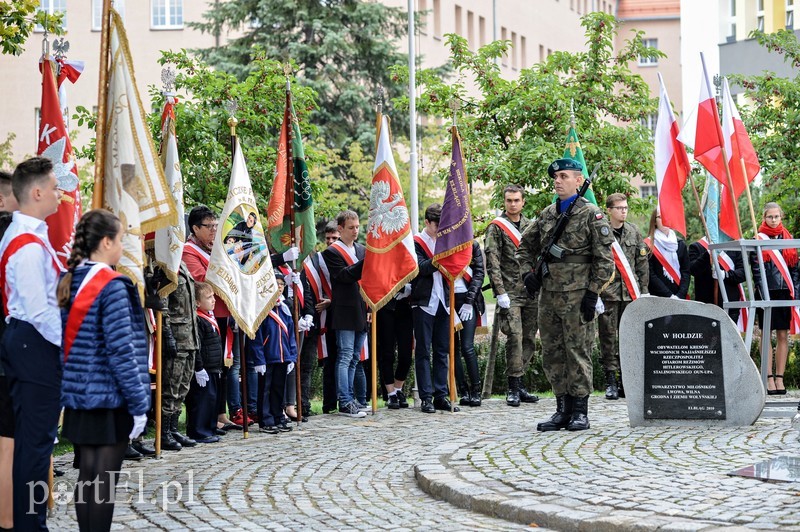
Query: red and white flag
column 390, row 261
column 672, row 165
column 703, row 134
column 742, row 161
column 55, row 145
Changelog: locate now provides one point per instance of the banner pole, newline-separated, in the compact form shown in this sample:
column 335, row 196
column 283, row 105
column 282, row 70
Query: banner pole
column 158, row 354
column 749, row 198
column 102, row 96
column 243, row 378
column 374, row 362
column 452, row 368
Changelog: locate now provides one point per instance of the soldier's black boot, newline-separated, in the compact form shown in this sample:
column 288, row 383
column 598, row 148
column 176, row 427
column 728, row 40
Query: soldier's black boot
column 620, row 387
column 561, row 418
column 475, row 394
column 512, row 397
column 185, row 441
column 524, row 396
column 168, row 443
column 612, row 392
column 465, row 394
column 580, row 409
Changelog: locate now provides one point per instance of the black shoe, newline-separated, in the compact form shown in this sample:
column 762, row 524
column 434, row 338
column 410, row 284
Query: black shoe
column 142, row 448
column 219, row 432
column 272, row 429
column 427, row 406
column 512, row 396
column 580, row 410
column 526, row 397
column 443, row 403
column 185, row 441
column 612, row 392
column 231, row 426
column 209, row 439
column 58, row 472
column 132, row 454
column 283, row 427
column 561, row 418
column 168, row 443
column 465, row 400
column 476, row 393
column 393, row 403
column 401, row 398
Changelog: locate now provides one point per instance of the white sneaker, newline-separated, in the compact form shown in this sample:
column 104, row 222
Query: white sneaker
column 351, row 410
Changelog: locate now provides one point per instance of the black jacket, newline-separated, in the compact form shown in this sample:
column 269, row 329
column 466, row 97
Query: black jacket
column 661, row 286
column 209, row 356
column 422, row 285
column 474, row 292
column 774, row 278
column 348, row 311
column 700, row 266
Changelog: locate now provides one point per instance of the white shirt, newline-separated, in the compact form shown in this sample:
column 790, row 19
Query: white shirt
column 31, row 279
column 437, row 293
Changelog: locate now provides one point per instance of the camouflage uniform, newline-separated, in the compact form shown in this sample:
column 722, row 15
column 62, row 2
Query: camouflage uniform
column 587, row 238
column 616, row 297
column 177, row 371
column 520, row 322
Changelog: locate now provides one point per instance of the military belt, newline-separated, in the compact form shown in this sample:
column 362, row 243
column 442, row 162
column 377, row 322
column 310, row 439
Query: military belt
column 573, row 259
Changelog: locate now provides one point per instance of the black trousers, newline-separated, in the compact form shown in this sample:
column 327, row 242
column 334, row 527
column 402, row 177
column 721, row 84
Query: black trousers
column 201, row 407
column 308, row 357
column 33, row 369
column 432, row 335
column 395, row 330
column 465, row 349
column 271, row 387
column 329, row 394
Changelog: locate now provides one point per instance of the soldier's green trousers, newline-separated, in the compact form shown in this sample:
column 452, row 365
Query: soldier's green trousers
column 519, row 324
column 176, row 375
column 566, row 357
column 608, row 330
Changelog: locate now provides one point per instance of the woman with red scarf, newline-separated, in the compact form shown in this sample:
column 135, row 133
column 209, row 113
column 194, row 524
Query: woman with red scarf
column 779, row 289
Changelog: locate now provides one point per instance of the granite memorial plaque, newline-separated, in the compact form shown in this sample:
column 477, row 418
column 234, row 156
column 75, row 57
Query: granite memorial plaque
column 684, row 363
column 683, row 370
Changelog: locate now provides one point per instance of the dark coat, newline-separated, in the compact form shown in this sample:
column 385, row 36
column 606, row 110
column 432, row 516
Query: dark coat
column 475, row 286
column 210, row 356
column 422, row 284
column 348, row 311
column 107, row 365
column 700, row 266
column 273, row 345
column 661, row 286
column 774, row 278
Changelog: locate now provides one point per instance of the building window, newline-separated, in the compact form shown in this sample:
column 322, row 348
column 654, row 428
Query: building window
column 471, row 29
column 437, row 18
column 648, row 190
column 459, row 29
column 541, row 53
column 166, row 14
column 789, row 14
column 523, row 45
column 482, row 30
column 422, row 13
column 649, row 122
column 649, row 61
column 51, row 7
column 504, row 37
column 514, row 50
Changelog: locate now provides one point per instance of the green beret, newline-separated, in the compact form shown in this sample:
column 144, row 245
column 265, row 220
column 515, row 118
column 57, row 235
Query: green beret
column 563, row 164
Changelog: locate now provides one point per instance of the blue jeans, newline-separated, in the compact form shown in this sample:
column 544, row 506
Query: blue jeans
column 348, row 345
column 360, row 383
column 234, row 391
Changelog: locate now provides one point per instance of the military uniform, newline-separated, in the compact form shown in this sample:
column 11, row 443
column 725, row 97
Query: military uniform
column 587, row 264
column 616, row 297
column 519, row 322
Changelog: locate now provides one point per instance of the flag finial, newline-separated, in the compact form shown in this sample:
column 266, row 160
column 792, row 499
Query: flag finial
column 287, row 71
column 168, row 80
column 61, row 47
column 379, row 98
column 45, row 41
column 572, row 112
column 231, row 106
column 455, row 105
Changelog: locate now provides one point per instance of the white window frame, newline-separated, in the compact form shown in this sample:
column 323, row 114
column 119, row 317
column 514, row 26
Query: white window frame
column 97, row 13
column 49, row 7
column 650, row 42
column 169, row 23
column 789, row 14
column 645, row 191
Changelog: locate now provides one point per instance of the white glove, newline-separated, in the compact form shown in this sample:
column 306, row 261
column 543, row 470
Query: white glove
column 290, row 367
column 599, row 307
column 139, row 423
column 201, row 377
column 261, row 369
column 503, row 301
column 713, row 273
column 296, row 279
column 291, row 254
column 305, row 323
column 465, row 312
column 673, row 296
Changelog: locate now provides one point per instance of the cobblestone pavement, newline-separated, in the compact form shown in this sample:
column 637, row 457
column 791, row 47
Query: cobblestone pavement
column 408, row 471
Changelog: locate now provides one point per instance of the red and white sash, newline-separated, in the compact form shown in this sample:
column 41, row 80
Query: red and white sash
column 17, row 243
column 95, row 281
column 625, row 270
column 349, row 255
column 672, row 272
column 320, row 286
column 509, row 229
column 275, row 316
column 295, row 288
column 777, row 258
column 726, row 263
column 210, row 319
column 425, row 247
column 193, row 249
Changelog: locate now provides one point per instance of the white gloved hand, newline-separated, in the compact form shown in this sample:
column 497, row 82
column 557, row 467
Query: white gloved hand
column 291, row 254
column 296, row 279
column 673, row 296
column 139, row 422
column 713, row 273
column 465, row 312
column 201, row 377
column 289, row 368
column 503, row 301
column 303, row 325
column 599, row 307
column 261, row 369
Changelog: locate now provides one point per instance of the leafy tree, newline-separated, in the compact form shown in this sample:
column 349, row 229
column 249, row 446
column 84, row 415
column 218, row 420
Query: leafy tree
column 515, row 128
column 17, row 20
column 342, row 49
column 772, row 119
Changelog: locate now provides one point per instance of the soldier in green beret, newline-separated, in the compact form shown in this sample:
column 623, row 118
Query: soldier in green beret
column 569, row 292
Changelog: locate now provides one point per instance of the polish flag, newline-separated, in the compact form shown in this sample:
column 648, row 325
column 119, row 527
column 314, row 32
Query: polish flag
column 742, row 161
column 672, row 165
column 703, row 134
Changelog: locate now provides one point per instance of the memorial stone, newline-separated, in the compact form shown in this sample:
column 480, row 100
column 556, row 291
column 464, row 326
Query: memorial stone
column 685, row 363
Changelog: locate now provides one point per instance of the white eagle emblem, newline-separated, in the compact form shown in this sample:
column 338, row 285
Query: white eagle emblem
column 67, row 180
column 385, row 216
